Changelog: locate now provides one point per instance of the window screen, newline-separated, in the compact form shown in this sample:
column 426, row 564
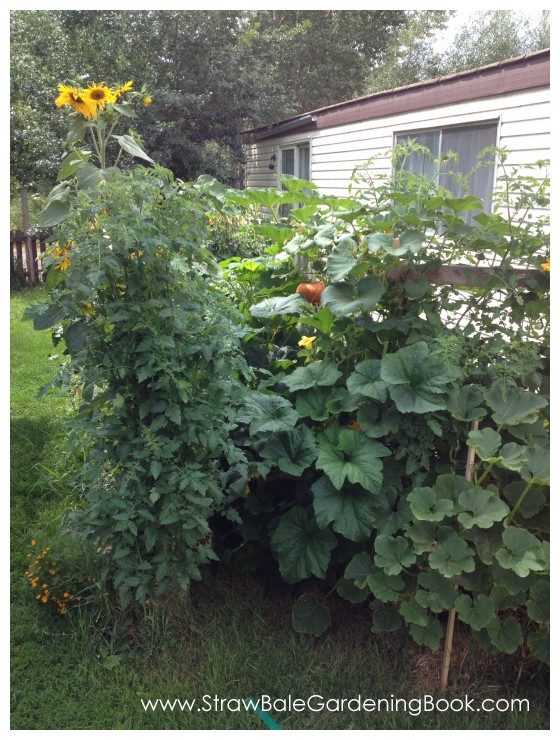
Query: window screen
column 467, row 142
column 418, row 162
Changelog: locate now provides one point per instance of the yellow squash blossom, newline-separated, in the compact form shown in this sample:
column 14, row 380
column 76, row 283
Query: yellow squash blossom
column 99, row 95
column 76, row 99
column 306, row 342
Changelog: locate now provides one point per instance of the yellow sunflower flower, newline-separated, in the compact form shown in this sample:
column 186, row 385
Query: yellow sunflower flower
column 546, row 265
column 125, row 88
column 147, row 101
column 99, row 95
column 64, row 264
column 76, row 99
column 306, row 342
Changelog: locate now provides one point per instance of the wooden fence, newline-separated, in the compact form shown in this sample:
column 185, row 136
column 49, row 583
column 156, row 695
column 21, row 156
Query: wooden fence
column 18, row 251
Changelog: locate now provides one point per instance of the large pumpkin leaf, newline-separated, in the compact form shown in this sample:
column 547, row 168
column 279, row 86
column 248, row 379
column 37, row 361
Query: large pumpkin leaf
column 414, row 613
column 313, row 403
column 366, row 381
column 266, row 413
column 351, row 511
column 385, row 618
column 423, row 535
column 481, row 508
column 485, row 442
column 323, row 320
column 513, row 456
column 385, row 587
column 350, row 592
column 291, row 304
column 533, row 500
column 523, row 552
column 451, row 486
column 509, row 580
column 393, row 511
column 345, row 299
column 478, row 613
column 354, row 457
column 342, row 259
column 538, row 605
column 393, row 554
column 429, row 635
column 506, row 635
column 375, row 426
column 452, row 556
column 427, row 506
column 415, row 378
column 292, row 451
column 320, row 373
column 358, row 569
column 539, row 644
column 486, row 541
column 517, row 407
column 465, row 404
column 436, row 592
column 310, row 616
column 537, row 468
column 303, row 550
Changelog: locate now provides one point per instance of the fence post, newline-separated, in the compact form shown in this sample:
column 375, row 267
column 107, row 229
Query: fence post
column 26, row 227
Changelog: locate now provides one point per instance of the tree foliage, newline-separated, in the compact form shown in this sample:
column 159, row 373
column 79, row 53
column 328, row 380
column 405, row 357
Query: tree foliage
column 212, row 73
column 416, row 53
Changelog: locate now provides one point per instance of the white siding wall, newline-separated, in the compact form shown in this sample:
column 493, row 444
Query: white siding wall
column 523, row 127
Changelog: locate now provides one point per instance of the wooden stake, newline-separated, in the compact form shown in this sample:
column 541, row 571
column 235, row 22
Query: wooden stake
column 26, row 227
column 469, row 473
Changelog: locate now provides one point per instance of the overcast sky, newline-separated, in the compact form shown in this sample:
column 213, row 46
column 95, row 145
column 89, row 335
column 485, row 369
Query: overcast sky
column 462, row 16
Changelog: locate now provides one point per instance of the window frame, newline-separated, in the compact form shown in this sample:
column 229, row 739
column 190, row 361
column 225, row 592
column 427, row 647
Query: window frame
column 296, row 146
column 411, row 132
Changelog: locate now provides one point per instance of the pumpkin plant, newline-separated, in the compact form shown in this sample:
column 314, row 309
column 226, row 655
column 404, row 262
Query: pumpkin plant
column 360, row 430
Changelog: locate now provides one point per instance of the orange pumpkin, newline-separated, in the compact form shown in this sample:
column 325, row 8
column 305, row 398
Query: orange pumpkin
column 311, row 292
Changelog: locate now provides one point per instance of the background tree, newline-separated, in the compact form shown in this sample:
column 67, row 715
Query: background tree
column 416, row 53
column 213, row 73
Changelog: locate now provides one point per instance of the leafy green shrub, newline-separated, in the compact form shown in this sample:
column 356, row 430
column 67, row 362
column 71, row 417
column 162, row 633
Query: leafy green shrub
column 156, row 348
column 366, row 405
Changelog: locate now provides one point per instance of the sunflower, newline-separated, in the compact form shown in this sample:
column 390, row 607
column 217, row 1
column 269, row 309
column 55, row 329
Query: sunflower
column 147, row 100
column 76, row 99
column 125, row 88
column 99, row 95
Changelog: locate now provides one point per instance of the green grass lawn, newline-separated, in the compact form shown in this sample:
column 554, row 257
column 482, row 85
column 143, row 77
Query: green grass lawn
column 230, row 637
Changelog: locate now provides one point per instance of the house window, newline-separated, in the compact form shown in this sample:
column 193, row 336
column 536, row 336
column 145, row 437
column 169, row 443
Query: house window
column 467, row 142
column 294, row 160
